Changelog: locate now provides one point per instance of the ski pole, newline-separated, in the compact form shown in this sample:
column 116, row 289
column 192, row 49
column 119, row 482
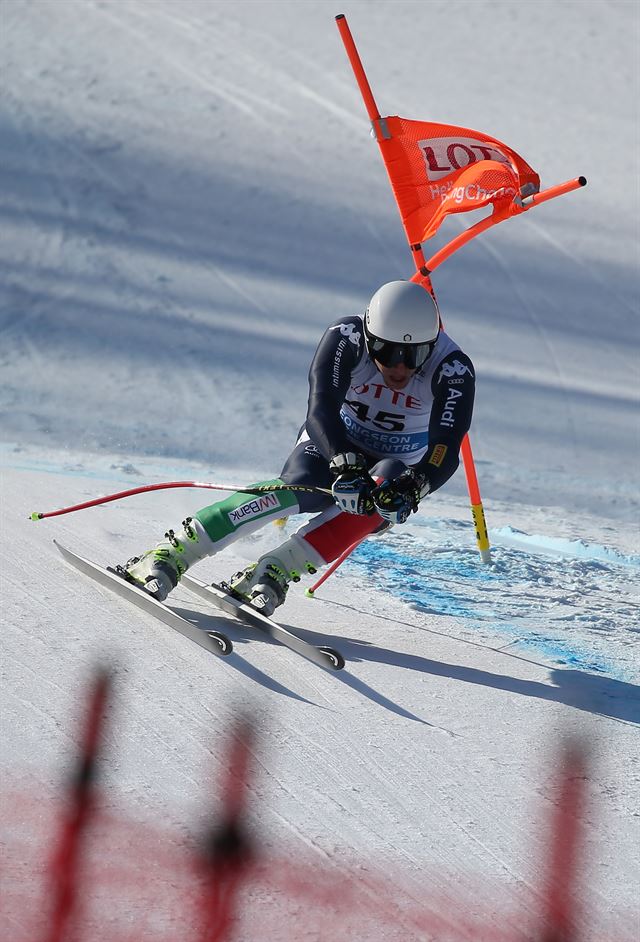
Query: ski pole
column 255, row 489
column 332, row 568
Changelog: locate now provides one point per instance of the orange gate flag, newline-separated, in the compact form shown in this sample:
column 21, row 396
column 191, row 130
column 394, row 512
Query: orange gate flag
column 438, row 169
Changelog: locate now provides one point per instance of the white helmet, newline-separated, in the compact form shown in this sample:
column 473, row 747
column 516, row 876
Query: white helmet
column 401, row 324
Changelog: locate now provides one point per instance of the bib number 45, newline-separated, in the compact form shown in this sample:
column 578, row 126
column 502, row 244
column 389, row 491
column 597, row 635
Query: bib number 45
column 388, row 421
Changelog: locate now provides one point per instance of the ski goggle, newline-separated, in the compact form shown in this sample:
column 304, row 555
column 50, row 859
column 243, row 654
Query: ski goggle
column 390, row 353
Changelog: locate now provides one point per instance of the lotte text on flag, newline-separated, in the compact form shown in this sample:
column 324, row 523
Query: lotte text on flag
column 438, row 169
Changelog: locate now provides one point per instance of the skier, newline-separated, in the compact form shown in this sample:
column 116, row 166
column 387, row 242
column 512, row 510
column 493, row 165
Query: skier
column 390, row 400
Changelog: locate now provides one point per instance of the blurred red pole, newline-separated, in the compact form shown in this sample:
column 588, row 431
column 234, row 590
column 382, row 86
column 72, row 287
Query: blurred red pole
column 65, row 867
column 566, row 833
column 227, row 851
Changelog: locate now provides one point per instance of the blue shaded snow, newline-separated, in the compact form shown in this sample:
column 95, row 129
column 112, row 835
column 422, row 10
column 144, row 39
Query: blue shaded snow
column 566, row 600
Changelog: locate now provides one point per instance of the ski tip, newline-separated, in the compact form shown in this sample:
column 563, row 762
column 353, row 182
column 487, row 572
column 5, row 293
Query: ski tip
column 35, row 516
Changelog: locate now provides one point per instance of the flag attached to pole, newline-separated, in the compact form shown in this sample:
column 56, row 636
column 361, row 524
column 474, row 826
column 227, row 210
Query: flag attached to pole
column 438, row 169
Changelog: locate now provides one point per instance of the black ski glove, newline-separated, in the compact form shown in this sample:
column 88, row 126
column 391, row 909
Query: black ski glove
column 353, row 484
column 396, row 499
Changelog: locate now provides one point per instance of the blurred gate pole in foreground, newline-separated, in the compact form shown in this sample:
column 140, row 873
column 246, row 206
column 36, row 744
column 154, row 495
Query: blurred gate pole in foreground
column 66, row 866
column 226, row 853
column 565, row 833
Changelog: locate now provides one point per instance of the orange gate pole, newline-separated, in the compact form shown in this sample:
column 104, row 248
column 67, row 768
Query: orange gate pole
column 422, row 276
column 456, row 243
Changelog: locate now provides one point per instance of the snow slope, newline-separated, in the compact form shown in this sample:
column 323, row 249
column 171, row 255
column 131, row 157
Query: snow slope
column 189, row 193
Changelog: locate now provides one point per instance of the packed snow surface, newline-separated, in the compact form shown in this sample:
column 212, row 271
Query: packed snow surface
column 189, row 195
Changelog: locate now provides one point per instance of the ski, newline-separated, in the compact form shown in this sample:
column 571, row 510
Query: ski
column 213, row 641
column 232, row 605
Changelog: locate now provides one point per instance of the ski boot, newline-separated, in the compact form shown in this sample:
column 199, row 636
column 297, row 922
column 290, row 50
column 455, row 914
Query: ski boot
column 159, row 570
column 264, row 584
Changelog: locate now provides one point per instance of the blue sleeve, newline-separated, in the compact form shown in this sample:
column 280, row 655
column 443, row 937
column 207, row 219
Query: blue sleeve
column 338, row 353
